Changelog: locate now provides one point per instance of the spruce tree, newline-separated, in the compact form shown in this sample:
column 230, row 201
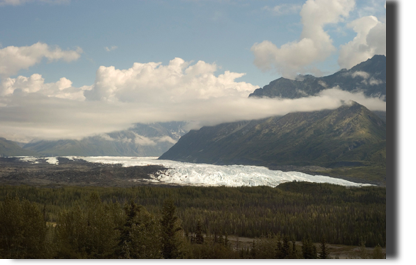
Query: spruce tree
column 199, row 238
column 253, row 250
column 324, row 250
column 308, row 249
column 285, row 248
column 169, row 228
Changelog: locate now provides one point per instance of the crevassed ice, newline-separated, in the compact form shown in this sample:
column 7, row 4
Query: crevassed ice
column 51, row 160
column 214, row 175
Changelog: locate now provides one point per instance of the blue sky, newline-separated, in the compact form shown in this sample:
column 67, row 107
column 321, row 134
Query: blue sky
column 158, row 31
column 81, row 53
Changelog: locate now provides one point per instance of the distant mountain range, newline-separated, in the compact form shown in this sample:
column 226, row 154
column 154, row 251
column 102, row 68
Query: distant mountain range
column 10, row 148
column 368, row 76
column 350, row 136
column 140, row 140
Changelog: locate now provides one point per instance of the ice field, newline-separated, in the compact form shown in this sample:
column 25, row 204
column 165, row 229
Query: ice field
column 183, row 173
column 213, row 175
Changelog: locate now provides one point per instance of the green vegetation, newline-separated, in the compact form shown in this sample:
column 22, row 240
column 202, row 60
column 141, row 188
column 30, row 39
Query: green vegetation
column 348, row 142
column 187, row 222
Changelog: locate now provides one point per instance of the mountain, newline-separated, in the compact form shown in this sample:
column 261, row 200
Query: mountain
column 350, row 136
column 10, row 148
column 140, row 140
column 368, row 76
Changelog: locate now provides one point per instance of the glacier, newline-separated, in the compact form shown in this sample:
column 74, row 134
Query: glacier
column 184, row 173
column 192, row 174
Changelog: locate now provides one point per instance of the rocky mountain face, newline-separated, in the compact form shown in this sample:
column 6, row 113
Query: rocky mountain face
column 10, row 148
column 348, row 136
column 368, row 76
column 140, row 140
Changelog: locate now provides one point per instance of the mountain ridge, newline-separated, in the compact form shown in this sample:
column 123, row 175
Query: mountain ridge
column 10, row 148
column 368, row 76
column 140, row 140
column 350, row 135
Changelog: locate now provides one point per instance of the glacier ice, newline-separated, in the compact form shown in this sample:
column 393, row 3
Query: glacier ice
column 184, row 173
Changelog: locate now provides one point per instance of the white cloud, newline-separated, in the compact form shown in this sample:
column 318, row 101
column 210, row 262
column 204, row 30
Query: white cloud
column 374, row 103
column 369, row 41
column 314, row 45
column 143, row 141
column 361, row 74
column 21, row 2
column 176, row 82
column 35, row 84
column 374, row 82
column 109, row 49
column 283, row 9
column 13, row 59
column 166, row 139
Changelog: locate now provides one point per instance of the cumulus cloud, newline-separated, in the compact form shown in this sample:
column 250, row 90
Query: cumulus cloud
column 369, row 41
column 179, row 81
column 35, row 84
column 13, row 59
column 314, row 45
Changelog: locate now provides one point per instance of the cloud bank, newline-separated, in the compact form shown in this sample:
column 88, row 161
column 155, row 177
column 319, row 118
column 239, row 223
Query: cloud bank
column 147, row 92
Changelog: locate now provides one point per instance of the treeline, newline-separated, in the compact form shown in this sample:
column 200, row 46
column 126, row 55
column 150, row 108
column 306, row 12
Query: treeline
column 338, row 214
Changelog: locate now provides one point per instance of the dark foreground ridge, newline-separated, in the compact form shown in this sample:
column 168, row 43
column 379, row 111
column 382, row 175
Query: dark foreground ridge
column 75, row 172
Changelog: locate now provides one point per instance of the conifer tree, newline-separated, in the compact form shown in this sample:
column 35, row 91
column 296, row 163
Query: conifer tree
column 253, row 250
column 324, row 250
column 199, row 238
column 286, row 248
column 279, row 250
column 125, row 240
column 22, row 230
column 170, row 228
column 226, row 242
column 308, row 249
column 294, row 250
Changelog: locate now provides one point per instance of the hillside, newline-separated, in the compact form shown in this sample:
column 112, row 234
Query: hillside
column 350, row 136
column 9, row 148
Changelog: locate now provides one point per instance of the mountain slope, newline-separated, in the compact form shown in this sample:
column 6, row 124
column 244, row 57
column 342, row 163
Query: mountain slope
column 9, row 148
column 368, row 76
column 348, row 136
column 140, row 140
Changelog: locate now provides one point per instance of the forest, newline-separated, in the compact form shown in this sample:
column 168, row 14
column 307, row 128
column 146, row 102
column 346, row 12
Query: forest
column 190, row 222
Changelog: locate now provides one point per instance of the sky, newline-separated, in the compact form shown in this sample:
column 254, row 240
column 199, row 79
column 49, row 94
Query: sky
column 70, row 69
